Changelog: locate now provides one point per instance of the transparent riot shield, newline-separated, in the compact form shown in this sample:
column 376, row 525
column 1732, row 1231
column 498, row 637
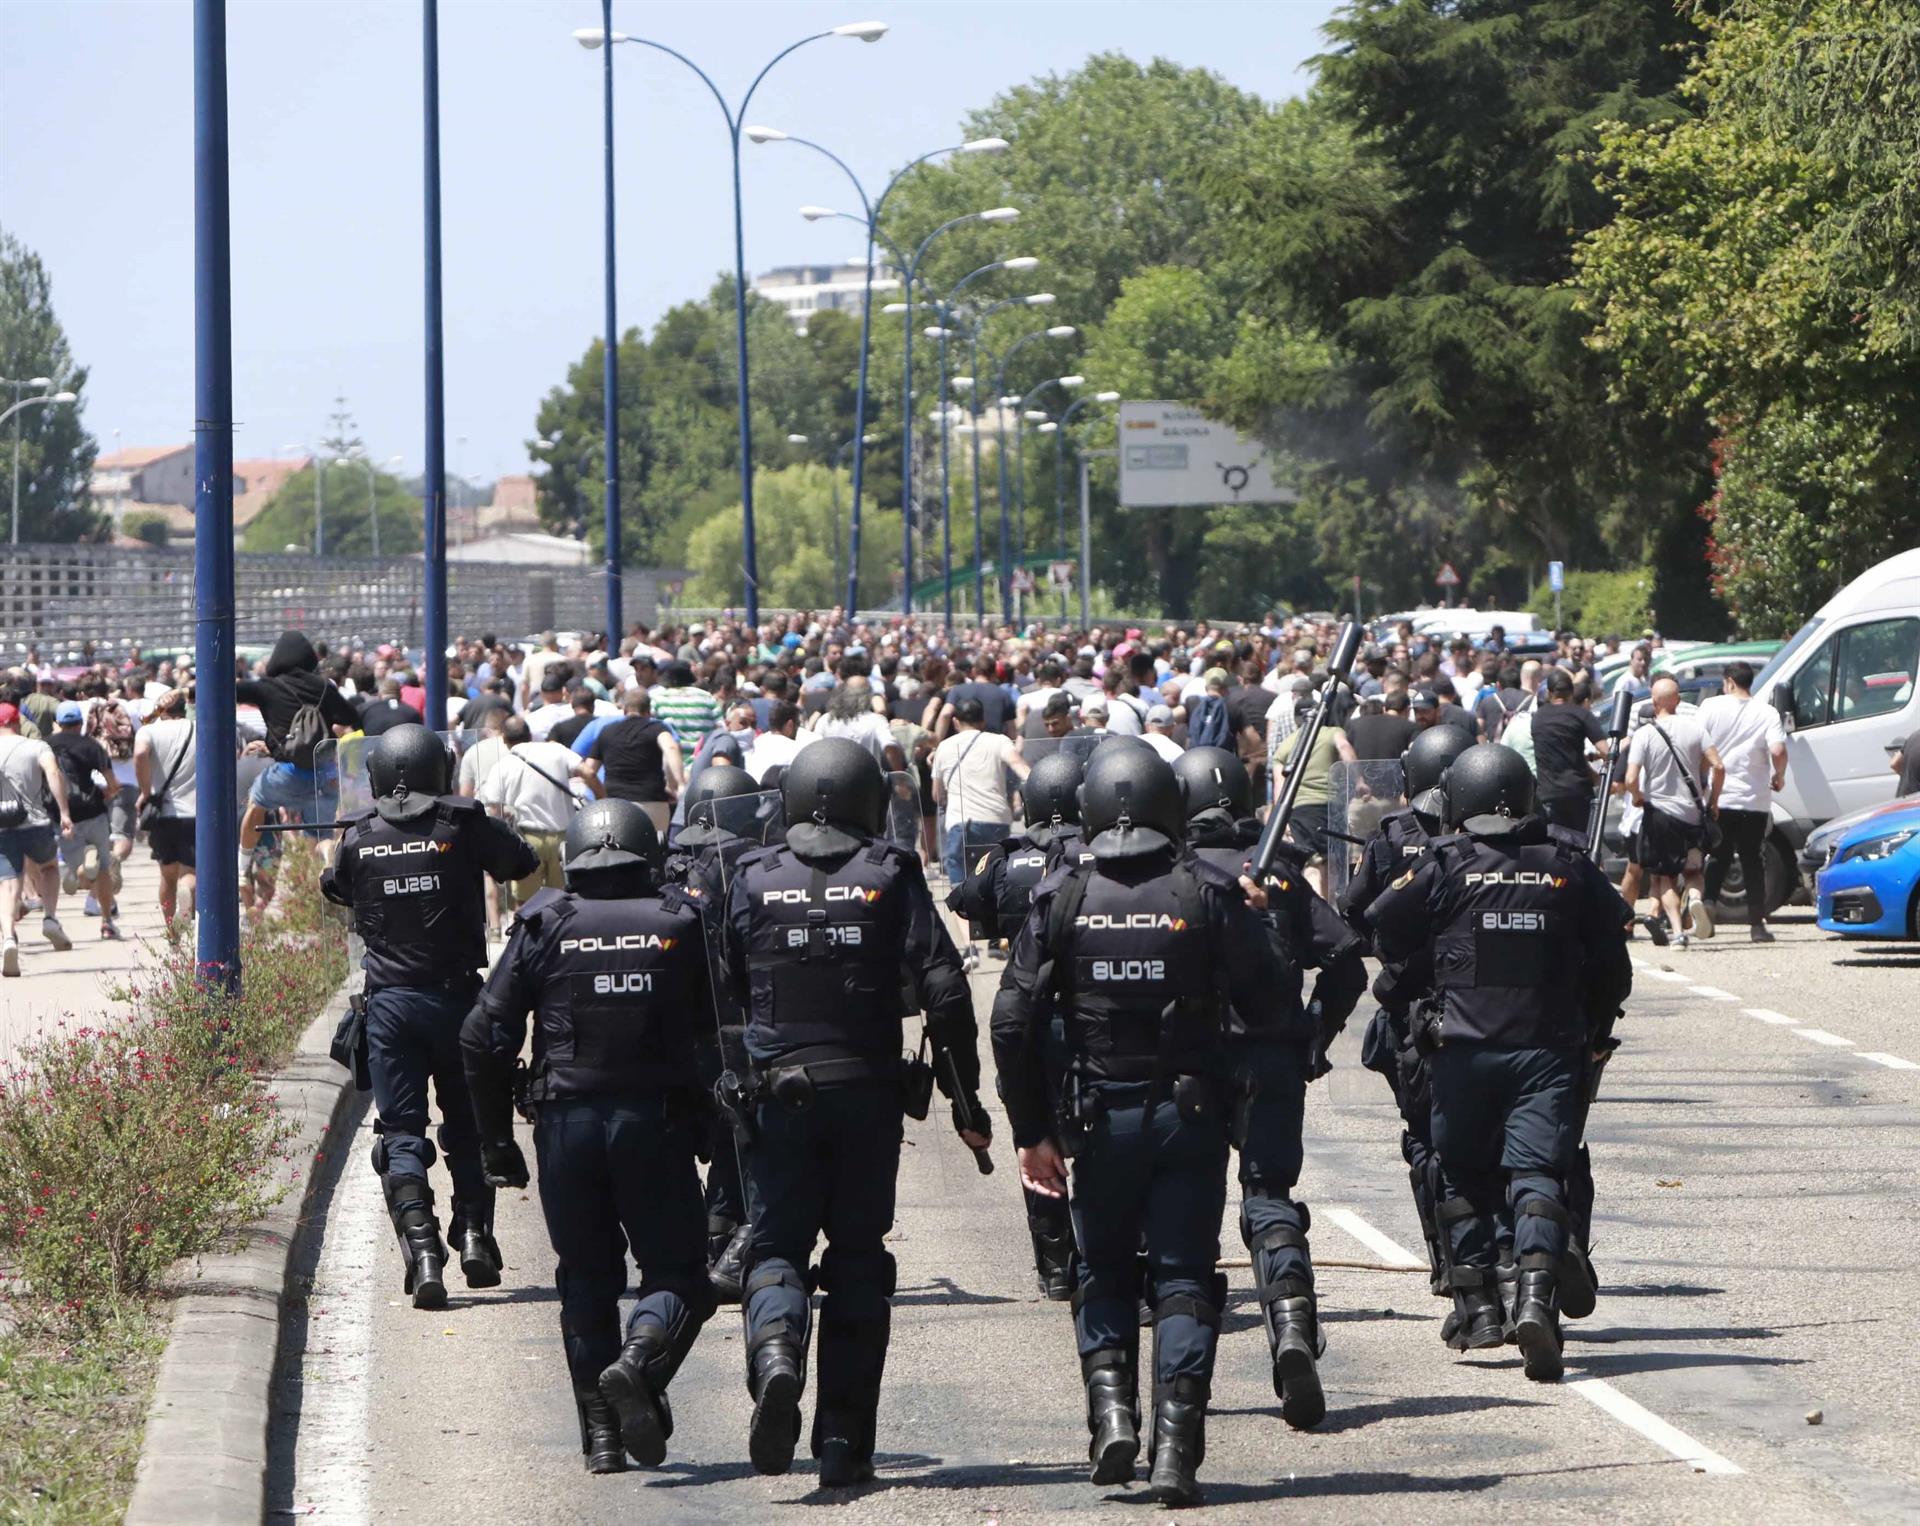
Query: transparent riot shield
column 1078, row 746
column 902, row 825
column 1360, row 794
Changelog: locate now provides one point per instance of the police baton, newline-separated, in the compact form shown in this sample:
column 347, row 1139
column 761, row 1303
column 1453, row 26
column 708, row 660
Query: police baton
column 1617, row 727
column 1338, row 667
column 970, row 1115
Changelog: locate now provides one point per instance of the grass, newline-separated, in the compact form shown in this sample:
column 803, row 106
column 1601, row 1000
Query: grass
column 71, row 1413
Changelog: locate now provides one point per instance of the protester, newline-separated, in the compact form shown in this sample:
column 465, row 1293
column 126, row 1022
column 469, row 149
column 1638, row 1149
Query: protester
column 637, row 758
column 164, row 765
column 1746, row 759
column 1665, row 763
column 531, row 788
column 91, row 789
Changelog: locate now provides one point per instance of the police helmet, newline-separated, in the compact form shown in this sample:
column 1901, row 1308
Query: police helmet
column 1430, row 754
column 1131, row 803
column 609, row 834
column 835, row 796
column 1488, row 782
column 406, row 770
column 701, row 826
column 1051, row 791
column 1215, row 780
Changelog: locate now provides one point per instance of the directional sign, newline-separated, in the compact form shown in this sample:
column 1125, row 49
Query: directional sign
column 1172, row 456
column 1060, row 574
column 1557, row 576
column 1022, row 580
column 1446, row 577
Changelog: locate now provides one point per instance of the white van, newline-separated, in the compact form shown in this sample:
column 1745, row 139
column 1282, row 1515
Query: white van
column 1845, row 686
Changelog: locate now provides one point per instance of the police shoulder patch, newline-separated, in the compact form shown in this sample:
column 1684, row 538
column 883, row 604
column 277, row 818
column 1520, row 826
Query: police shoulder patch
column 1404, row 881
column 980, row 866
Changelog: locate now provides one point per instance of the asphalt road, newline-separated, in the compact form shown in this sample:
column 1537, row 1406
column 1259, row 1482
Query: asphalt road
column 1752, row 1358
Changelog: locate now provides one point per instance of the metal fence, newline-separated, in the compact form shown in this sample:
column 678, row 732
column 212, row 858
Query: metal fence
column 56, row 599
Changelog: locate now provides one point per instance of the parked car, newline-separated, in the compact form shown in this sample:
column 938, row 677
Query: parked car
column 1870, row 887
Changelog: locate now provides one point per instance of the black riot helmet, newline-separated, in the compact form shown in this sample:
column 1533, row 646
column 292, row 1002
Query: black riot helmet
column 610, row 835
column 406, row 770
column 835, row 796
column 1215, row 780
column 1131, row 803
column 1430, row 754
column 1051, row 791
column 1486, row 785
column 714, row 783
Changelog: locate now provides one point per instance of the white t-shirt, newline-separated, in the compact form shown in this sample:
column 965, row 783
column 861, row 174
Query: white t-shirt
column 1126, row 716
column 533, row 803
column 1744, row 732
column 542, row 719
column 772, row 749
column 972, row 769
column 168, row 741
column 1661, row 780
column 867, row 728
column 1163, row 744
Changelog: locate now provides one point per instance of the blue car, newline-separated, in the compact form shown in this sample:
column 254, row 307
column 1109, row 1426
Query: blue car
column 1868, row 887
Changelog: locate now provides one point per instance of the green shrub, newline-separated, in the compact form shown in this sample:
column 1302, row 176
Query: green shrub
column 149, row 525
column 126, row 1145
column 1601, row 603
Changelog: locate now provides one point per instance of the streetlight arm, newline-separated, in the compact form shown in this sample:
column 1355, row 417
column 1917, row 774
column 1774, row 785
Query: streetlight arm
column 58, row 397
column 733, row 123
column 858, row 189
column 951, row 223
column 747, row 99
column 908, row 168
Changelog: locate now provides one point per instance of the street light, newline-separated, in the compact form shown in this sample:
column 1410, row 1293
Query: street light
column 735, row 116
column 1058, row 331
column 373, row 501
column 1059, row 499
column 19, row 407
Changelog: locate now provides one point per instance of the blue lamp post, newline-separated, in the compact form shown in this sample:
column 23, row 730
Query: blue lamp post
column 869, row 218
column 1059, row 432
column 1001, row 403
column 434, row 599
column 865, row 31
column 973, row 323
column 1023, row 414
column 610, row 375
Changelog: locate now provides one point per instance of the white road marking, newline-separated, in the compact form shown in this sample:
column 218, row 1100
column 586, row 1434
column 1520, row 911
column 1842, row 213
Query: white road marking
column 1821, row 1036
column 1767, row 1015
column 1672, row 977
column 1382, row 1245
column 1712, row 993
column 1891, row 1061
column 1596, row 1391
column 1603, row 1395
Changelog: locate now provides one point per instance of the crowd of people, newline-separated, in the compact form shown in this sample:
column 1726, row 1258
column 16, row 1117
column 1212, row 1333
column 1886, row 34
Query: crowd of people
column 551, row 722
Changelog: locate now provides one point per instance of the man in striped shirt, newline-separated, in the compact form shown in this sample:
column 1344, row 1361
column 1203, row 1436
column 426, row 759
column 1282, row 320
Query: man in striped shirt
column 690, row 711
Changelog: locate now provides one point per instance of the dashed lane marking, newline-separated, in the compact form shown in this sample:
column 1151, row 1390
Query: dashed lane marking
column 1768, row 1015
column 1821, row 1036
column 1712, row 993
column 1596, row 1391
column 1672, row 977
column 1382, row 1245
column 1891, row 1061
column 1605, row 1396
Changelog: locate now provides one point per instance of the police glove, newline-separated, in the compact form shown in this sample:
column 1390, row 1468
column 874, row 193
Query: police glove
column 505, row 1165
column 1318, row 1064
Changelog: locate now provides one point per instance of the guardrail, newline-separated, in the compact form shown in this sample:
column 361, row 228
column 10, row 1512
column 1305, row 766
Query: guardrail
column 57, row 599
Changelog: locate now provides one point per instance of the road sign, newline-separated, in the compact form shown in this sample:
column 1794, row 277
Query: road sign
column 1173, row 456
column 1060, row 574
column 1022, row 580
column 1446, row 577
column 1557, row 576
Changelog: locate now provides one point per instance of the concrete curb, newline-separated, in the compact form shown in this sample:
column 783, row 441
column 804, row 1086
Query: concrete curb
column 204, row 1456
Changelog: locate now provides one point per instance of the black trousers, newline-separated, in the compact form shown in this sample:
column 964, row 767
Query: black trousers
column 1743, row 833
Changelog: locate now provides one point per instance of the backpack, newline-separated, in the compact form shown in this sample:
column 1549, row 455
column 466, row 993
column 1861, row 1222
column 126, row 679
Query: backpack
column 109, row 724
column 305, row 733
column 1207, row 723
column 83, row 794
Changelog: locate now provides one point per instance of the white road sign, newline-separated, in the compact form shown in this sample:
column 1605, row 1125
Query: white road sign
column 1173, row 456
column 1060, row 574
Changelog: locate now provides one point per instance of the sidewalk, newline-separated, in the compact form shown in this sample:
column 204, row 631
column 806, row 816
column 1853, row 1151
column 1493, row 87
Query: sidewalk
column 52, row 985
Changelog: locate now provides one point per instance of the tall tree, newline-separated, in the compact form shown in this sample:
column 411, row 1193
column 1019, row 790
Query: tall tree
column 56, row 453
column 352, row 497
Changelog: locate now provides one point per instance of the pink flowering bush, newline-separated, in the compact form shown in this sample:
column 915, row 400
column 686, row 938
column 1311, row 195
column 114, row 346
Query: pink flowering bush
column 147, row 1132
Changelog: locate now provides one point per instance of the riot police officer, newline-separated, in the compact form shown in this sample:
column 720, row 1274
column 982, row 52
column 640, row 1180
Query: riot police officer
column 995, row 897
column 1401, row 842
column 703, row 855
column 614, row 970
column 1272, row 1069
column 838, row 939
column 1141, row 951
column 410, row 868
column 1530, row 967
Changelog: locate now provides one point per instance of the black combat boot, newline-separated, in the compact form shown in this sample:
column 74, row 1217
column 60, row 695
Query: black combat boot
column 1113, row 1415
column 599, row 1432
column 1506, row 1277
column 843, row 1442
column 727, row 1258
column 1480, row 1325
column 776, row 1374
column 1297, row 1348
column 1179, row 1441
column 410, row 1203
column 636, row 1386
column 479, row 1252
column 1536, row 1321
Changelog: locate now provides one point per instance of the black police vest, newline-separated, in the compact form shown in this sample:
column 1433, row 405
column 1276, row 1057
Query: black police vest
column 1027, row 865
column 1284, row 884
column 825, row 942
column 1506, row 959
column 621, row 996
column 417, row 896
column 1141, row 1001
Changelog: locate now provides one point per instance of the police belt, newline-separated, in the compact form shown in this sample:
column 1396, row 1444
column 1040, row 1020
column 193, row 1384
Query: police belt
column 795, row 1081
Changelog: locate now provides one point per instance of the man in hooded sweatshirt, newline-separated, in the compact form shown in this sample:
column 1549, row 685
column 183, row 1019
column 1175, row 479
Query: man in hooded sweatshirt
column 301, row 708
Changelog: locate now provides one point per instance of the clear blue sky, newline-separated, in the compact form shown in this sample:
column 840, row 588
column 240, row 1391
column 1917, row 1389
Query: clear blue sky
column 96, row 174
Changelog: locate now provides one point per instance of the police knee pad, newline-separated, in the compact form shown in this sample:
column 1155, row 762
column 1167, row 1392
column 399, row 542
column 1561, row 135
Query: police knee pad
column 760, row 1279
column 1190, row 1306
column 380, row 1153
column 875, row 1271
column 454, row 1136
column 697, row 1293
